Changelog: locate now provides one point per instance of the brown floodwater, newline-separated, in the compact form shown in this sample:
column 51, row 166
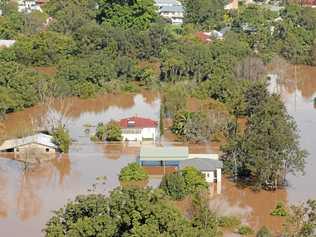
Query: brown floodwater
column 29, row 195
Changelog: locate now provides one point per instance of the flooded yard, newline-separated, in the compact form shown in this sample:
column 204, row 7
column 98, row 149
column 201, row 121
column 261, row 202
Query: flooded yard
column 28, row 196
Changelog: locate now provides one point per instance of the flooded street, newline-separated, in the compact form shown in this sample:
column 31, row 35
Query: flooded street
column 27, row 197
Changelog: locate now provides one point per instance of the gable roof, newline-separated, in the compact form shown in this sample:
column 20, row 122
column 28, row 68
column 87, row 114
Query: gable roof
column 164, row 153
column 202, row 164
column 174, row 8
column 39, row 138
column 138, row 122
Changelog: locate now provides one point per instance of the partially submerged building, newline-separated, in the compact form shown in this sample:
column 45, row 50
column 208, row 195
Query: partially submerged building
column 138, row 129
column 171, row 9
column 179, row 157
column 31, row 147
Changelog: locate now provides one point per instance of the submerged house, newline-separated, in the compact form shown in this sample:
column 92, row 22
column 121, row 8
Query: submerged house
column 35, row 146
column 179, row 157
column 138, row 129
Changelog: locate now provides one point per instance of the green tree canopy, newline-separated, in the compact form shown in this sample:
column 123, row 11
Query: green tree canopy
column 133, row 172
column 127, row 212
column 126, row 13
column 43, row 48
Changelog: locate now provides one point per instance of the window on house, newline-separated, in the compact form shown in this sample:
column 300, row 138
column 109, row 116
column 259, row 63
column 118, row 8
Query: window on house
column 131, row 124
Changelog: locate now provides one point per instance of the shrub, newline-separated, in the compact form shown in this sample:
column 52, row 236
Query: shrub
column 100, row 132
column 113, row 132
column 109, row 132
column 245, row 230
column 62, row 138
column 133, row 172
column 279, row 210
column 264, row 232
column 174, row 185
column 229, row 222
column 184, row 182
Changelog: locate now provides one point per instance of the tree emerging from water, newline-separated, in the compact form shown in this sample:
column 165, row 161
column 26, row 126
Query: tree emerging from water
column 269, row 148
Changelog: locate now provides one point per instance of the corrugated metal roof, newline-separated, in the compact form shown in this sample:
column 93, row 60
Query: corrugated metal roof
column 39, row 138
column 202, row 164
column 164, row 153
column 167, row 2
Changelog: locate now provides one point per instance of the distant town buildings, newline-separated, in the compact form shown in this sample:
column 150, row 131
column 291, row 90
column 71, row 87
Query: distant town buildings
column 308, row 3
column 172, row 10
column 233, row 4
column 138, row 129
column 28, row 6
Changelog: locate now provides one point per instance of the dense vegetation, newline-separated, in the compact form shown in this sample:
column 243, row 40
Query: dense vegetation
column 133, row 172
column 130, row 212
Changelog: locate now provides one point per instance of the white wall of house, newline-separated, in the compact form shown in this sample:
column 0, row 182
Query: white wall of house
column 132, row 137
column 145, row 133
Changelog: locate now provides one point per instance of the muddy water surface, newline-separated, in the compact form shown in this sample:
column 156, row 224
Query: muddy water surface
column 27, row 197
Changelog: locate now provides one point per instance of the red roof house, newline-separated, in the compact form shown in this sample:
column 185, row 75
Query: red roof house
column 137, row 122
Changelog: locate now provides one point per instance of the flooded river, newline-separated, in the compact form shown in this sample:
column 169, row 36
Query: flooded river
column 28, row 196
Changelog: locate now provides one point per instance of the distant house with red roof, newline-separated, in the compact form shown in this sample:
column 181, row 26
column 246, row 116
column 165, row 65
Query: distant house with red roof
column 308, row 3
column 204, row 37
column 138, row 129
